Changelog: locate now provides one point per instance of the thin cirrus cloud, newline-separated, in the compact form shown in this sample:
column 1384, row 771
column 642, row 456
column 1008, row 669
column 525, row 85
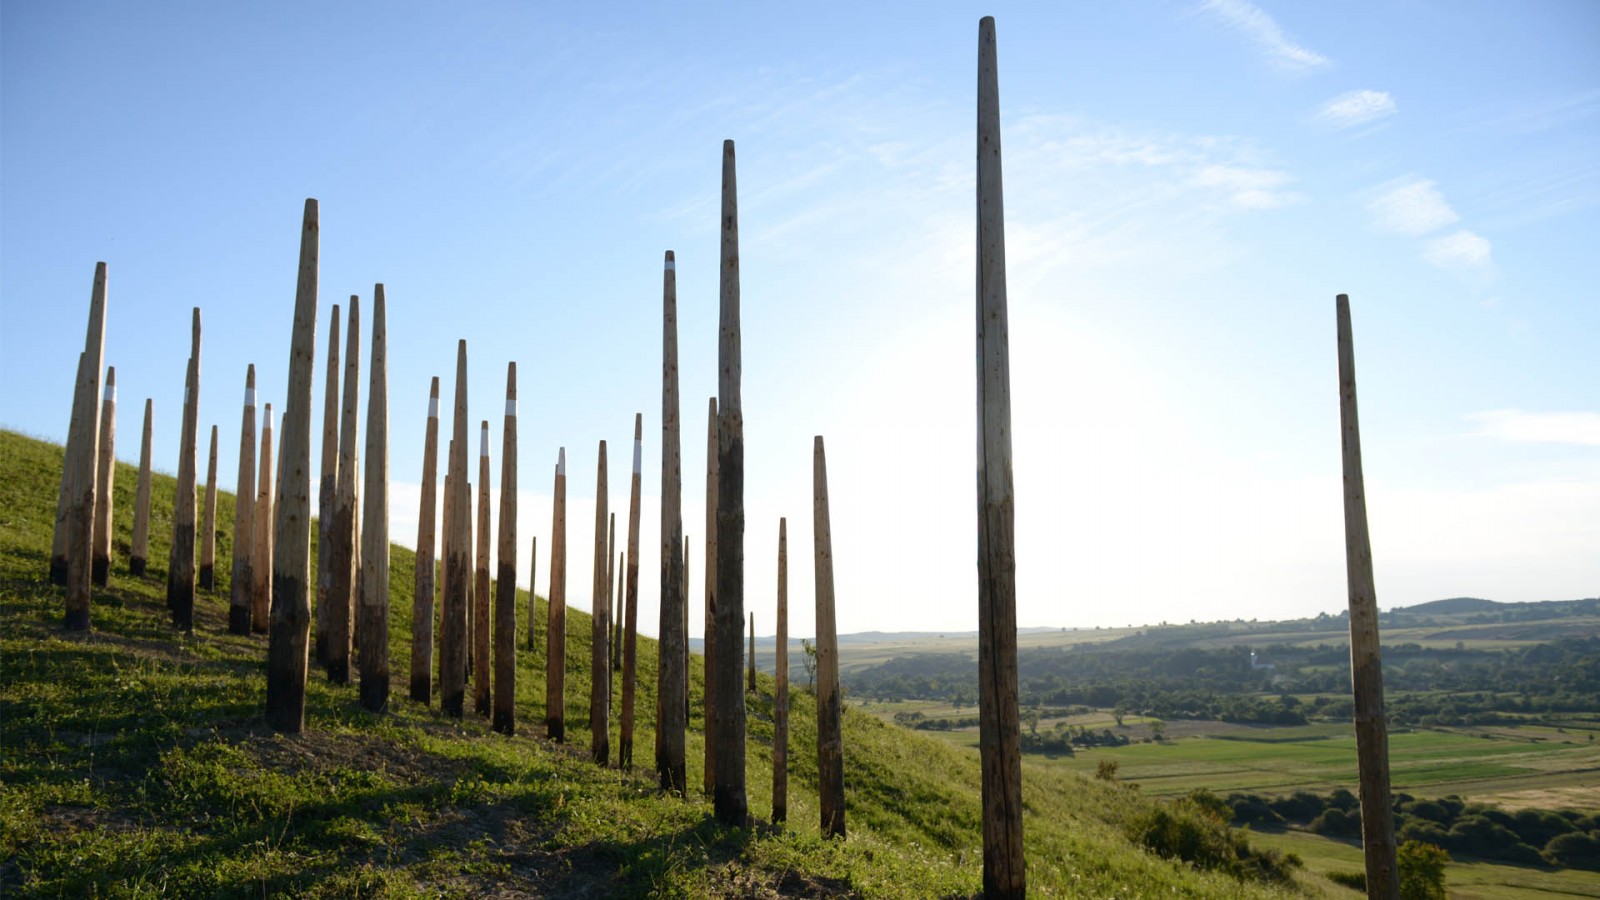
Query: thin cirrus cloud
column 1248, row 188
column 1463, row 249
column 1413, row 207
column 1263, row 31
column 1357, row 108
column 1538, row 427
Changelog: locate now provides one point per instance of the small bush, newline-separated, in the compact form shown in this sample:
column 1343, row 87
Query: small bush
column 1353, row 880
column 1421, row 871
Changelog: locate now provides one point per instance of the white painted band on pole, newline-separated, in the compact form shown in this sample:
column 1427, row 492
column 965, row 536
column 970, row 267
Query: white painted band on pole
column 561, row 463
column 638, row 456
column 671, row 266
column 433, row 407
column 483, row 441
column 111, row 393
column 511, row 406
column 249, row 396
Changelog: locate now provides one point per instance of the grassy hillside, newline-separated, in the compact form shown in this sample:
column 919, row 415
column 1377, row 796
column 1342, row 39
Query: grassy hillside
column 135, row 761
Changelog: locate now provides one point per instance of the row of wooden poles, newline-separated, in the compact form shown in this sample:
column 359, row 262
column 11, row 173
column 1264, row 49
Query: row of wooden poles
column 272, row 538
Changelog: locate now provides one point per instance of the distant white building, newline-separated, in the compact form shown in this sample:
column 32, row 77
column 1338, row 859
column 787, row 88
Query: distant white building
column 1260, row 665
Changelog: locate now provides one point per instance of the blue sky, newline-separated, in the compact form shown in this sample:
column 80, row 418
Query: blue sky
column 1189, row 184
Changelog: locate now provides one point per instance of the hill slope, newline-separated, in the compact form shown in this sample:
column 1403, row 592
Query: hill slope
column 135, row 760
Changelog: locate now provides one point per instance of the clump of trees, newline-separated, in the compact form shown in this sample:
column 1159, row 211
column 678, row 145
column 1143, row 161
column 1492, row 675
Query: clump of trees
column 1566, row 837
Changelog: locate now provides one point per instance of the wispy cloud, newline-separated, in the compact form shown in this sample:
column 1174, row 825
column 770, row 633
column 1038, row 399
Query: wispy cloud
column 1248, row 188
column 1357, row 108
column 1263, row 31
column 1414, row 207
column 1461, row 249
column 1539, row 427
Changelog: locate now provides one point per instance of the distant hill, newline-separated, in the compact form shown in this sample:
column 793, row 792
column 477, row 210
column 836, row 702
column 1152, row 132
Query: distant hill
column 1452, row 606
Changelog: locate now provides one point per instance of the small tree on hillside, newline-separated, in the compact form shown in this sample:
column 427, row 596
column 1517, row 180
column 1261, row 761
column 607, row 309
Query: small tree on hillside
column 810, row 662
column 1421, row 871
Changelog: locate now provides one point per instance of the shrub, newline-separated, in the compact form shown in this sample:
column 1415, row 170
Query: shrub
column 1421, row 871
column 1574, row 849
column 1337, row 823
column 1353, row 880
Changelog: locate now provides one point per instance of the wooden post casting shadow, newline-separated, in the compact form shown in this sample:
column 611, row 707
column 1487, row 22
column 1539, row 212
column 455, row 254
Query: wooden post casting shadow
column 600, row 640
column 830, row 705
column 780, row 702
column 347, row 493
column 71, row 544
column 244, row 513
column 422, row 596
column 208, row 522
column 1366, row 664
column 264, row 530
column 750, row 664
column 373, row 586
column 999, row 732
column 181, row 565
column 291, row 514
column 105, row 481
column 328, row 489
column 457, row 562
column 728, row 796
column 139, row 551
column 672, row 673
column 481, row 674
column 708, row 650
column 555, row 674
column 505, row 598
column 630, row 612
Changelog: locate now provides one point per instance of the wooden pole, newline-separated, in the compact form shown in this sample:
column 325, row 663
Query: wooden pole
column 139, row 552
column 342, row 558
column 709, row 647
column 728, row 796
column 105, row 481
column 422, row 595
column 672, row 679
column 457, row 562
column 75, row 508
column 533, row 598
column 686, row 711
column 780, row 702
column 505, row 598
column 1366, row 663
column 181, row 567
column 618, row 589
column 613, row 594
column 630, row 612
column 830, row 705
column 208, row 528
column 999, row 731
column 600, row 639
column 470, row 632
column 328, row 489
column 750, row 686
column 555, row 676
column 481, row 589
column 373, row 586
column 244, row 513
column 291, row 514
column 264, row 530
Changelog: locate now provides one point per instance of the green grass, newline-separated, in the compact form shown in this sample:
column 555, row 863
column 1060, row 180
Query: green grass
column 135, row 761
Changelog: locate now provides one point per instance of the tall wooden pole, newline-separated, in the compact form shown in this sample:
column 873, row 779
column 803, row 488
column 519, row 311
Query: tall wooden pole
column 328, row 489
column 1366, row 664
column 505, row 598
column 630, row 612
column 481, row 674
column 264, row 531
column 457, row 561
column 555, row 674
column 672, row 672
column 999, row 732
column 533, row 598
column 728, row 796
column 470, row 632
column 750, row 664
column 600, row 664
column 709, row 648
column 686, row 711
column 208, row 526
column 830, row 705
column 291, row 560
column 139, row 552
column 780, row 701
column 346, row 497
column 422, row 595
column 75, row 508
column 613, row 595
column 105, row 481
column 244, row 514
column 181, row 568
column 373, row 586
